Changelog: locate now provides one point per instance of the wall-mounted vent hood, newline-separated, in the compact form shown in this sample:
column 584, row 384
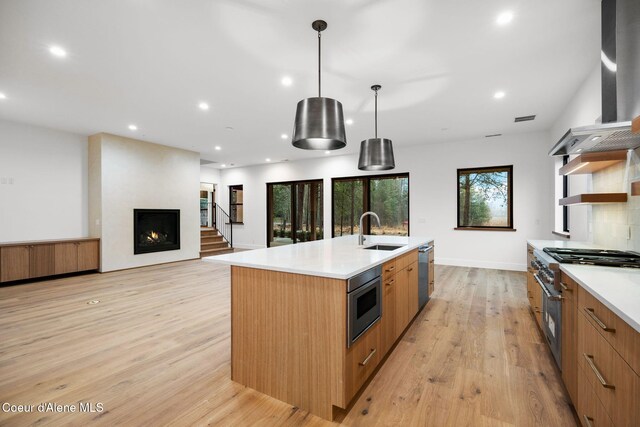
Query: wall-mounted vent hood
column 620, row 63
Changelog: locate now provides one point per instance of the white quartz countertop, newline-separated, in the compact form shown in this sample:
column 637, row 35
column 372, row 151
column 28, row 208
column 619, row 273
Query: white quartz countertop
column 541, row 244
column 337, row 258
column 617, row 288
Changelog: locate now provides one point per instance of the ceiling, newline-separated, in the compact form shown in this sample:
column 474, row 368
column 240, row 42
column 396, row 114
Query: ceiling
column 151, row 62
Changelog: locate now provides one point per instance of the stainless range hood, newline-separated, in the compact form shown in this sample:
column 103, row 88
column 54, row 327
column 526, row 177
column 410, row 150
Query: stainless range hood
column 620, row 63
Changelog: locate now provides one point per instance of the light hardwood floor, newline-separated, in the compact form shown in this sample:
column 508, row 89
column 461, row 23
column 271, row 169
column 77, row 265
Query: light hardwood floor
column 156, row 350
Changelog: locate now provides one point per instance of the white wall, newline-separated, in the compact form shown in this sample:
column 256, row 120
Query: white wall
column 433, row 174
column 137, row 174
column 43, row 183
column 584, row 108
column 212, row 176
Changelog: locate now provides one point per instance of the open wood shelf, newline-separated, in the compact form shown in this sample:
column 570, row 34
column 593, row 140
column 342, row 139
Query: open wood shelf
column 594, row 198
column 593, row 162
column 635, row 188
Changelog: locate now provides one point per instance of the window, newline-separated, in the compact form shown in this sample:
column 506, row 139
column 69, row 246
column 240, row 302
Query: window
column 236, row 197
column 485, row 197
column 386, row 195
column 294, row 212
column 565, row 193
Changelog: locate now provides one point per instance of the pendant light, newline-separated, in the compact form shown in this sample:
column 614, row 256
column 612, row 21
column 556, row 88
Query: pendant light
column 319, row 123
column 376, row 154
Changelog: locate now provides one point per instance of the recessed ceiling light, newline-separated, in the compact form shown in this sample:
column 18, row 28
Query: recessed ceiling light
column 58, row 51
column 203, row 106
column 499, row 95
column 223, row 165
column 133, row 127
column 218, row 148
column 349, row 121
column 286, row 81
column 504, row 18
column 327, row 152
column 284, row 136
column 267, row 159
column 3, row 96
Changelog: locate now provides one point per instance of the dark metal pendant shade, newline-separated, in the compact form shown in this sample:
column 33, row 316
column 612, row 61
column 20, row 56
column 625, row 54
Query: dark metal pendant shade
column 319, row 125
column 376, row 154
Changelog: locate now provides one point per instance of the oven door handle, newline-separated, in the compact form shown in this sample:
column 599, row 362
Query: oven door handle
column 546, row 291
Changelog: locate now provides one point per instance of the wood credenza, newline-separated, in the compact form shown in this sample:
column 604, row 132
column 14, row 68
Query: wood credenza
column 30, row 260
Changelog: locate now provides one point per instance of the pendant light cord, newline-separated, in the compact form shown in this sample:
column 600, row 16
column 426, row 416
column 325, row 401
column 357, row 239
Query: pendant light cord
column 376, row 115
column 319, row 66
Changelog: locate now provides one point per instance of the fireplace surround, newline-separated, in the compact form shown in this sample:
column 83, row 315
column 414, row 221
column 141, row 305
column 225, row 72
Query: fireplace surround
column 156, row 230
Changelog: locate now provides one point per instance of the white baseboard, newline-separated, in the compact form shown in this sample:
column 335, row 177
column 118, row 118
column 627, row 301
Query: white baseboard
column 481, row 264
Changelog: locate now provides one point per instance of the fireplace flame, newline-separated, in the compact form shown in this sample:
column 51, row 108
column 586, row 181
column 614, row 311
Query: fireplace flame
column 153, row 236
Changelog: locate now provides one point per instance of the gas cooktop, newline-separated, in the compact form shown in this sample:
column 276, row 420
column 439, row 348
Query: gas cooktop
column 605, row 257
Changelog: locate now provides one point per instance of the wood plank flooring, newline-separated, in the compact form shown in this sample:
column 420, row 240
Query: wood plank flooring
column 155, row 351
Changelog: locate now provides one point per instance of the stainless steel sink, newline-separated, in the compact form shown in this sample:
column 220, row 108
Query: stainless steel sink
column 384, row 247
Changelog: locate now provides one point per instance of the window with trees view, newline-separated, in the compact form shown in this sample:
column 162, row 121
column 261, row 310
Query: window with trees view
column 485, row 198
column 294, row 212
column 386, row 195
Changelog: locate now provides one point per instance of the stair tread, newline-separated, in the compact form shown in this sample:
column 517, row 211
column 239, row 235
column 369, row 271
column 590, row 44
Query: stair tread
column 218, row 251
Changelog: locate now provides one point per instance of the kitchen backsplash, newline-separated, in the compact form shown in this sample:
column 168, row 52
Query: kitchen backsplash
column 617, row 225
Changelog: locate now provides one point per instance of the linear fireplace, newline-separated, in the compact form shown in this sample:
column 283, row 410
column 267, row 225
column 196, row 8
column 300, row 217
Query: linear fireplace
column 156, row 230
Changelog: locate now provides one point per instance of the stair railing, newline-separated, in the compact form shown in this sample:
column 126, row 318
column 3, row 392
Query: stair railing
column 223, row 223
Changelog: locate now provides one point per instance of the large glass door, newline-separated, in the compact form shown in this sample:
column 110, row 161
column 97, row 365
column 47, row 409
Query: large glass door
column 294, row 212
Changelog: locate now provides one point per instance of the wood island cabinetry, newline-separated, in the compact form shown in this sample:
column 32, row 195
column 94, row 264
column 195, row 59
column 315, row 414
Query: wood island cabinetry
column 30, row 260
column 298, row 353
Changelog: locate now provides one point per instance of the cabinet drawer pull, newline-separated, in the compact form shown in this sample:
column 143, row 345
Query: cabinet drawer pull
column 587, row 421
column 391, row 282
column 595, row 370
column 393, row 267
column 410, row 269
column 365, row 361
column 592, row 314
column 565, row 287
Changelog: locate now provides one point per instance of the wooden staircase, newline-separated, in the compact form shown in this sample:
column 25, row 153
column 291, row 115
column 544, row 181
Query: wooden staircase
column 212, row 243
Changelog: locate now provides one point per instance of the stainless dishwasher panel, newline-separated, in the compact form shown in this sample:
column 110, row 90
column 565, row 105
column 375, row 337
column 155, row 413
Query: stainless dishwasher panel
column 423, row 274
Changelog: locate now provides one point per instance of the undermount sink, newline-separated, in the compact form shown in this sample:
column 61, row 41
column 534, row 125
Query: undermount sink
column 384, row 247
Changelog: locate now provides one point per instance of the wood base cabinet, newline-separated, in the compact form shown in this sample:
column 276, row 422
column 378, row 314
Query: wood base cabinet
column 289, row 333
column 569, row 336
column 30, row 260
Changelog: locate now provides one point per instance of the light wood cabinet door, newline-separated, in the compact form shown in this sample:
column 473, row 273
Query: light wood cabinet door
column 388, row 321
column 412, row 292
column 88, row 255
column 66, row 258
column 402, row 298
column 15, row 263
column 615, row 384
column 537, row 302
column 588, row 407
column 361, row 360
column 432, row 273
column 569, row 347
column 41, row 260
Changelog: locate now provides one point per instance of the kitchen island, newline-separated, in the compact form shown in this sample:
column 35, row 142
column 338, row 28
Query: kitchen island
column 291, row 334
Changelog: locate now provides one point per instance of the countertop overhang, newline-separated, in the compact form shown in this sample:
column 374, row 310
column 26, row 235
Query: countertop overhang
column 337, row 258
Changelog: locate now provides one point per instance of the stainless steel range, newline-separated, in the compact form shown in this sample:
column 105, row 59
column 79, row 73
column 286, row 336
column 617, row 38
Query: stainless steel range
column 546, row 266
column 547, row 275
